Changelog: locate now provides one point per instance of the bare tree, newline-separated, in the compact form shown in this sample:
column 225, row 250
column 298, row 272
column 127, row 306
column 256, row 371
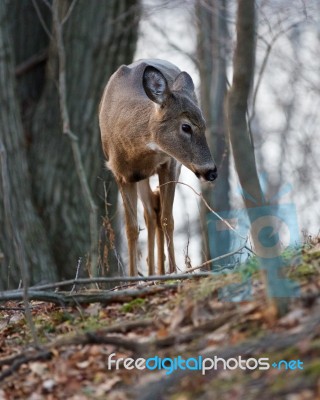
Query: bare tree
column 212, row 57
column 243, row 150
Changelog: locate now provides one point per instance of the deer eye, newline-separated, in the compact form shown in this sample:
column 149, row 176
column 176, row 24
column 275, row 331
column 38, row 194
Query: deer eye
column 186, row 128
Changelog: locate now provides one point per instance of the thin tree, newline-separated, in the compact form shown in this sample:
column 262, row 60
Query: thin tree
column 242, row 145
column 212, row 58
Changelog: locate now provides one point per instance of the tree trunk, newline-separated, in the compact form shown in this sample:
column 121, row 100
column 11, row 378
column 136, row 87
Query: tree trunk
column 212, row 53
column 243, row 151
column 237, row 104
column 18, row 218
column 98, row 37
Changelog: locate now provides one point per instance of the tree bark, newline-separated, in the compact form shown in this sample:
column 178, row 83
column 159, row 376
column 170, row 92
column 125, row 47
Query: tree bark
column 98, row 37
column 238, row 96
column 212, row 55
column 18, row 217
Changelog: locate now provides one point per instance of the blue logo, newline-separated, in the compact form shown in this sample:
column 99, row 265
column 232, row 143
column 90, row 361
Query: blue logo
column 285, row 365
column 274, row 228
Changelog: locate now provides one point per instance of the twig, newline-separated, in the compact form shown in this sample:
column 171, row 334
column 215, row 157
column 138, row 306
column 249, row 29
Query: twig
column 264, row 65
column 42, row 22
column 68, row 13
column 208, row 207
column 174, row 46
column 74, row 139
column 77, row 274
column 31, row 62
column 217, row 258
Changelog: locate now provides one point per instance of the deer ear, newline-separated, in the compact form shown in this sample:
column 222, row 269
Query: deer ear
column 155, row 85
column 183, row 82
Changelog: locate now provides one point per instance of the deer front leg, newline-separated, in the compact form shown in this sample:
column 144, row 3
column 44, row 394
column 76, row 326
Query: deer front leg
column 150, row 216
column 129, row 195
column 168, row 174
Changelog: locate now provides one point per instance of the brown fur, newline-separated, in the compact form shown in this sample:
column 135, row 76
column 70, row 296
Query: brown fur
column 143, row 116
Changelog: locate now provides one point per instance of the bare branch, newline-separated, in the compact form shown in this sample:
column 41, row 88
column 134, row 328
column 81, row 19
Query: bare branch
column 209, row 208
column 218, row 258
column 31, row 62
column 68, row 13
column 264, row 64
column 44, row 25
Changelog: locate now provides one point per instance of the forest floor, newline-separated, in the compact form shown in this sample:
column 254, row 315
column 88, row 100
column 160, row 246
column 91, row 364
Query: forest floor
column 167, row 320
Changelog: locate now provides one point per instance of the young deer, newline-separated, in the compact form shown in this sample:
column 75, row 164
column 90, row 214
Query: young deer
column 150, row 124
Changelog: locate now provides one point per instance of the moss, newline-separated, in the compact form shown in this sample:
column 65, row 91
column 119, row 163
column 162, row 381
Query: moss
column 311, row 255
column 91, row 323
column 289, row 353
column 315, row 345
column 303, row 271
column 279, row 383
column 312, row 369
column 249, row 268
column 133, row 305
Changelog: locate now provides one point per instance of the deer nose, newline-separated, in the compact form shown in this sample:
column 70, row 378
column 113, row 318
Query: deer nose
column 211, row 175
column 208, row 175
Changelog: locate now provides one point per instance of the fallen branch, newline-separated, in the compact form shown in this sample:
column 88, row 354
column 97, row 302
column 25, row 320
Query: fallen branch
column 20, row 359
column 102, row 296
column 77, row 339
column 117, row 279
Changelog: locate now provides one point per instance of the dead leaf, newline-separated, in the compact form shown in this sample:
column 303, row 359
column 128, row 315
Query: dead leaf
column 83, row 364
column 162, row 332
column 107, row 386
column 38, row 368
column 292, row 319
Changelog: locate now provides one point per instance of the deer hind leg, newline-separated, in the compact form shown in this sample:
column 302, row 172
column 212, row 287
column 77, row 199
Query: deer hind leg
column 129, row 196
column 168, row 174
column 151, row 204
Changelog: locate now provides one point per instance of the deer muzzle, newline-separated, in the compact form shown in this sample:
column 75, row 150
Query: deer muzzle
column 206, row 174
